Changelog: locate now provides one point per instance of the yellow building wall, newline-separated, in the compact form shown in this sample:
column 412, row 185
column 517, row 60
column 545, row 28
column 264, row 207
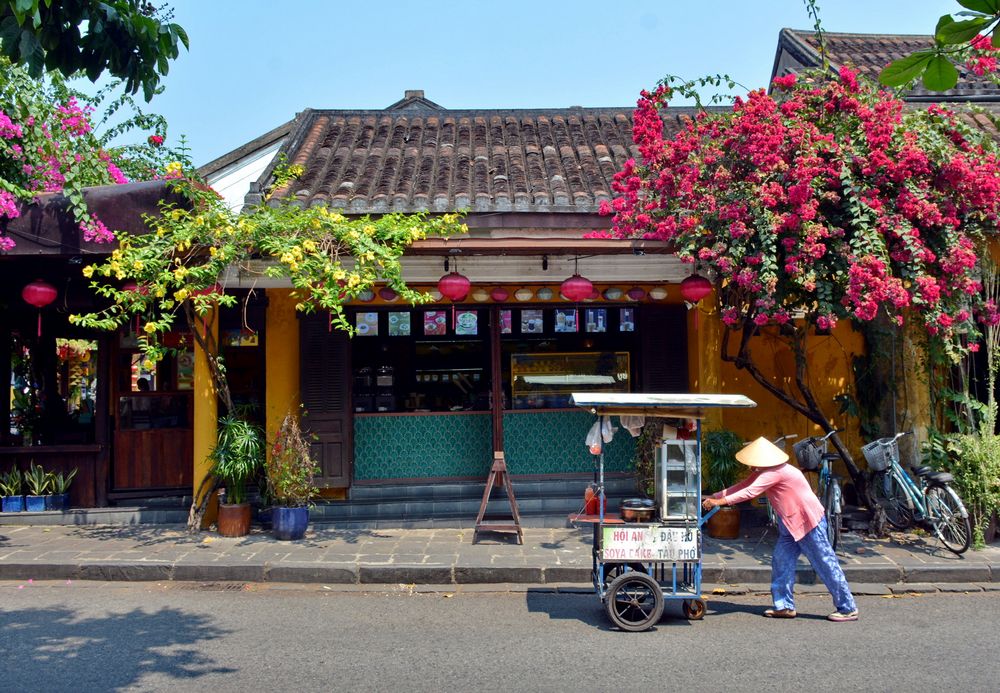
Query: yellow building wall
column 830, row 374
column 206, row 414
column 282, row 359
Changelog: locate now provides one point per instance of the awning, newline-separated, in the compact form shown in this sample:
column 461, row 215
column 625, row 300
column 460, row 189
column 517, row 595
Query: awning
column 670, row 405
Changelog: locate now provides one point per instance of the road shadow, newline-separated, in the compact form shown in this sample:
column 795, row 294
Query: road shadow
column 56, row 649
column 587, row 608
column 142, row 535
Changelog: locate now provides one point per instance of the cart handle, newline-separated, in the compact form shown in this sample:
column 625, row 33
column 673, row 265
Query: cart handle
column 704, row 518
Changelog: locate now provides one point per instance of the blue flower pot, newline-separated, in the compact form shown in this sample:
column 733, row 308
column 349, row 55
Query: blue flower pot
column 34, row 504
column 289, row 524
column 12, row 504
column 57, row 501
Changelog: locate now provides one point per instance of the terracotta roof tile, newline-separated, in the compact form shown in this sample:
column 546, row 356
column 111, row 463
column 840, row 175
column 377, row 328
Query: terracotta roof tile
column 416, row 155
column 869, row 53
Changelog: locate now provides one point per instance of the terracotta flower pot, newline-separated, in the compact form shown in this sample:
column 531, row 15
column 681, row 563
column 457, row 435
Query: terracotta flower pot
column 234, row 520
column 725, row 524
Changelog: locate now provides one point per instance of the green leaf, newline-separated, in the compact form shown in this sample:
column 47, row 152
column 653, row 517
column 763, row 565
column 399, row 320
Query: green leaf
column 996, row 38
column 940, row 74
column 905, row 70
column 952, row 32
column 984, row 6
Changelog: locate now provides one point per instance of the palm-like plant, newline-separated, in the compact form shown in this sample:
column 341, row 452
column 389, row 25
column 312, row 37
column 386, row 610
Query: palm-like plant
column 37, row 480
column 10, row 483
column 238, row 454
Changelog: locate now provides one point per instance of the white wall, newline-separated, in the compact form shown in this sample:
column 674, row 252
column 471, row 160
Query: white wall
column 233, row 182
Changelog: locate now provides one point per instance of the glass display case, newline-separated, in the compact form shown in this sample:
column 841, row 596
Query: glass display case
column 546, row 380
column 677, row 480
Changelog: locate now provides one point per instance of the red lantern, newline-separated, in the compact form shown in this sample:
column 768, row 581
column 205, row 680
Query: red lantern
column 39, row 294
column 387, row 294
column 577, row 288
column 499, row 294
column 695, row 287
column 454, row 286
column 636, row 293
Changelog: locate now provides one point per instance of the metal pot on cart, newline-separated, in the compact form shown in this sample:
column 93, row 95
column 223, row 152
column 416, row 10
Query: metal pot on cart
column 639, row 565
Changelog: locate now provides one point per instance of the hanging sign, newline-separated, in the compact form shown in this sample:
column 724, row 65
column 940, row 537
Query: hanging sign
column 655, row 543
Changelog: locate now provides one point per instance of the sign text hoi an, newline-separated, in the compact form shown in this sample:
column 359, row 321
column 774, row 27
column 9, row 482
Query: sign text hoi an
column 622, row 543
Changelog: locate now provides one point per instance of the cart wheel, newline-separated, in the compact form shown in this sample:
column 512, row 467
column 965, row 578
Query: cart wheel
column 634, row 601
column 613, row 570
column 694, row 609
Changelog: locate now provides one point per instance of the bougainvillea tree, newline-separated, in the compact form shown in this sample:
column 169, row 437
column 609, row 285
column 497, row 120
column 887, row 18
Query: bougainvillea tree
column 49, row 144
column 825, row 200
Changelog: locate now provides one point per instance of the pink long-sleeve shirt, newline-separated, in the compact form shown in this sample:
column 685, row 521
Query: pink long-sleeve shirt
column 788, row 492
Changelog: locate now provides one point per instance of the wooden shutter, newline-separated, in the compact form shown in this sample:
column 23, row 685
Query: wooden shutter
column 663, row 357
column 325, row 376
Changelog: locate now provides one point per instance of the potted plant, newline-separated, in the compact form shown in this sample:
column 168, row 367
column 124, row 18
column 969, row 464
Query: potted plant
column 722, row 470
column 37, row 482
column 238, row 454
column 11, row 500
column 59, row 484
column 290, row 471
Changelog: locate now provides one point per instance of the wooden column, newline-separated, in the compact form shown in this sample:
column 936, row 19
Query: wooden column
column 5, row 353
column 105, row 415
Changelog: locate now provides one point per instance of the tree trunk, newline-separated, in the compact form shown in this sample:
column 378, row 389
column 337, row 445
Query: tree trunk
column 806, row 405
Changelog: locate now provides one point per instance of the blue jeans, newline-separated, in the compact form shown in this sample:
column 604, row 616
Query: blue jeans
column 816, row 547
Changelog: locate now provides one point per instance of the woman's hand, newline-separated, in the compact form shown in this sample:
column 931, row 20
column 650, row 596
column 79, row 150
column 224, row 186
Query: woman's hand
column 709, row 503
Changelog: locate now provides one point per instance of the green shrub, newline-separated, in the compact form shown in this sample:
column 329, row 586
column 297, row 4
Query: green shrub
column 290, row 468
column 10, row 483
column 718, row 451
column 974, row 461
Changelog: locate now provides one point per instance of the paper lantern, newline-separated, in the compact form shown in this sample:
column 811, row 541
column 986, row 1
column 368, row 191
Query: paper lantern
column 636, row 293
column 39, row 294
column 387, row 294
column 695, row 288
column 613, row 293
column 544, row 294
column 658, row 294
column 366, row 296
column 576, row 288
column 499, row 294
column 454, row 286
column 524, row 294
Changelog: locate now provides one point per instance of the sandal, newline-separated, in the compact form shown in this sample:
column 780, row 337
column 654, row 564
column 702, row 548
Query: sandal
column 841, row 616
column 780, row 613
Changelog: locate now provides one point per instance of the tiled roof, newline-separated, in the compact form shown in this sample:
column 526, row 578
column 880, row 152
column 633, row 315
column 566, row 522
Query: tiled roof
column 416, row 155
column 869, row 53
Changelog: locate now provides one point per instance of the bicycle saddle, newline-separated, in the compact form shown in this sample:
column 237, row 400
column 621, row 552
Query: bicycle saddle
column 940, row 477
column 923, row 471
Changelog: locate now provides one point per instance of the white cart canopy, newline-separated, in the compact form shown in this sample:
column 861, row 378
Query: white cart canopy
column 670, row 405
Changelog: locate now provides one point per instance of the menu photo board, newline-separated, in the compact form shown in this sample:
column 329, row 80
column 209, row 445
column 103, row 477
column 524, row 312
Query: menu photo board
column 435, row 322
column 596, row 319
column 532, row 322
column 466, row 322
column 506, row 322
column 627, row 320
column 399, row 324
column 566, row 320
column 367, row 324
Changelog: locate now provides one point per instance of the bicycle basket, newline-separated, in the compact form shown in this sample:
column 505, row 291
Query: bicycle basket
column 807, row 454
column 880, row 455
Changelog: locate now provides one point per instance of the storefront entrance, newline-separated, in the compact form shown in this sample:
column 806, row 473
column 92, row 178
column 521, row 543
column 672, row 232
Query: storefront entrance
column 430, row 394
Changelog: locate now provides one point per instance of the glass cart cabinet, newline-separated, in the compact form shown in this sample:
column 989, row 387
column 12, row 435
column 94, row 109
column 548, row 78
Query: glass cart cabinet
column 677, row 480
column 546, row 381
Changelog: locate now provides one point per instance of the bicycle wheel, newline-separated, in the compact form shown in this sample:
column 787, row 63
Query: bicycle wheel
column 946, row 514
column 634, row 601
column 886, row 492
column 833, row 504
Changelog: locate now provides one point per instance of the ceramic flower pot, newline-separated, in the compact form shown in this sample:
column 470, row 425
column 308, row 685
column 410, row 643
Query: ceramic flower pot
column 34, row 504
column 234, row 519
column 12, row 504
column 289, row 524
column 725, row 524
column 59, row 501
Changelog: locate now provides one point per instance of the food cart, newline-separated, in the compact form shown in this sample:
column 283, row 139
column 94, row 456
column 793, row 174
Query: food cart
column 637, row 565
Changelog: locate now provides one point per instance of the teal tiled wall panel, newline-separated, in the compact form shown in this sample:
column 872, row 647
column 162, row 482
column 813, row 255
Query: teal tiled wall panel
column 406, row 447
column 553, row 443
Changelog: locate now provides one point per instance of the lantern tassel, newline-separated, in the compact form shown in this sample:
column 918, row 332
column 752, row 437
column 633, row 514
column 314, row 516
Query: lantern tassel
column 39, row 323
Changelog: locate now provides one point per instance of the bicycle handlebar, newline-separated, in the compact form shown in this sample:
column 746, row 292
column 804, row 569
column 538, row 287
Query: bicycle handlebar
column 889, row 441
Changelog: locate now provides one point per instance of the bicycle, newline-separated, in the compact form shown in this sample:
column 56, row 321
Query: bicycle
column 932, row 502
column 813, row 455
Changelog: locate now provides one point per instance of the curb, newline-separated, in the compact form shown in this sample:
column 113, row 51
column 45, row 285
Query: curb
column 730, row 578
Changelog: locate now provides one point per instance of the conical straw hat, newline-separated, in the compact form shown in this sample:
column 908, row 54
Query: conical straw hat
column 762, row 453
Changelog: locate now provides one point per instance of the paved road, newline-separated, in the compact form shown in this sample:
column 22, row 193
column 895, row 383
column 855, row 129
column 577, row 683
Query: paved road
column 92, row 636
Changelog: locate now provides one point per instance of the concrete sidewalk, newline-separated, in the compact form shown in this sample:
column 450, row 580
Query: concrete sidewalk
column 442, row 557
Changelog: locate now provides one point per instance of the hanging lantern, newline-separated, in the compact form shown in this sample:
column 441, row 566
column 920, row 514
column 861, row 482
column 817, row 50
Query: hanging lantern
column 499, row 294
column 39, row 294
column 636, row 293
column 454, row 286
column 544, row 294
column 387, row 294
column 366, row 296
column 695, row 287
column 577, row 288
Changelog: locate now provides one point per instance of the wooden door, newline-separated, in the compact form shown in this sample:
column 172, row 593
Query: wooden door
column 153, row 442
column 325, row 376
column 663, row 350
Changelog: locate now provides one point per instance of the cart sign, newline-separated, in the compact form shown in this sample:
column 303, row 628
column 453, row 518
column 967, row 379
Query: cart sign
column 623, row 543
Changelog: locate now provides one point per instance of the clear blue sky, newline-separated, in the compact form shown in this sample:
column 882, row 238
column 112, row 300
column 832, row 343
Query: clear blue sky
column 253, row 64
